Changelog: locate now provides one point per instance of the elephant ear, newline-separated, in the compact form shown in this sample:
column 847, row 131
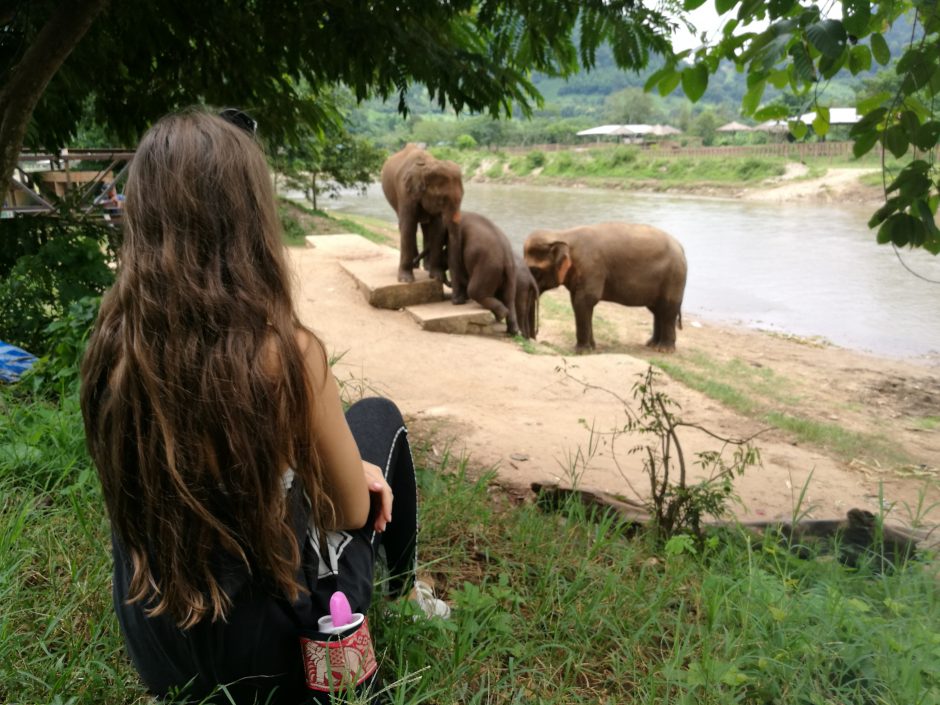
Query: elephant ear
column 561, row 259
column 414, row 178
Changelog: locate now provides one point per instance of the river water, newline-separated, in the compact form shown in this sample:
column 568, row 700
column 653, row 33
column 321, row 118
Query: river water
column 807, row 270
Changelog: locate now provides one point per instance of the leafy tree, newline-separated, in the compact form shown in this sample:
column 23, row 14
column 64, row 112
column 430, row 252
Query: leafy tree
column 326, row 162
column 140, row 60
column 800, row 48
column 631, row 106
column 705, row 126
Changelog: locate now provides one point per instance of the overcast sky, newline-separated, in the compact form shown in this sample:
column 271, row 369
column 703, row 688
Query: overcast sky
column 706, row 19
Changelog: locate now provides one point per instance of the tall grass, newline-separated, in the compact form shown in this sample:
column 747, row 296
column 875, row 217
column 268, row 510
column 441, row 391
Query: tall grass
column 549, row 608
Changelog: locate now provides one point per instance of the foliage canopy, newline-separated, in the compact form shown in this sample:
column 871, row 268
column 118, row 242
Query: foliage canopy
column 141, row 60
column 800, row 47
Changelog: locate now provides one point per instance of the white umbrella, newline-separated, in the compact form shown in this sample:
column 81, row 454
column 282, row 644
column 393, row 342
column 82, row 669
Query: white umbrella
column 734, row 127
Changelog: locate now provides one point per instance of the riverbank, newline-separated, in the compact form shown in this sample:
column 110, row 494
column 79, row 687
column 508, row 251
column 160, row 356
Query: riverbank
column 861, row 430
column 795, row 184
column 758, row 178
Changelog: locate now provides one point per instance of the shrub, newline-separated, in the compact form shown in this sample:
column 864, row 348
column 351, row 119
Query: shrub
column 48, row 263
column 535, row 159
column 620, row 156
column 56, row 372
column 465, row 142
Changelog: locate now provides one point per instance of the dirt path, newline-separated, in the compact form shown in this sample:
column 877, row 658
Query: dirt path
column 487, row 398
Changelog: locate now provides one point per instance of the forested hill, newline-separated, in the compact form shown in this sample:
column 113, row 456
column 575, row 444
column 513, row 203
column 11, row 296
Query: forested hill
column 609, row 94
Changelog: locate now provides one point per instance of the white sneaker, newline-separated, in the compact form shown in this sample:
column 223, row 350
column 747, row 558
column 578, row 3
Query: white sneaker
column 423, row 594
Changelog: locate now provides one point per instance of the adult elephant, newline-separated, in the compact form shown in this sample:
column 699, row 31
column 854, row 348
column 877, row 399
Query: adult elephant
column 489, row 268
column 527, row 300
column 425, row 190
column 633, row 265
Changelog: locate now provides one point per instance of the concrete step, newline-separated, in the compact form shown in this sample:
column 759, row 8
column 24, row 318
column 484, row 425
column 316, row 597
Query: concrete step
column 444, row 317
column 375, row 269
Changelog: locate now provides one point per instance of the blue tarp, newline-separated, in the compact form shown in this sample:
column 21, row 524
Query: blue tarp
column 13, row 362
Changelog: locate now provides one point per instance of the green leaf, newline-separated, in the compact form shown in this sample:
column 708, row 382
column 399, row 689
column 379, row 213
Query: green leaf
column 911, row 183
column 656, row 77
column 775, row 111
column 856, row 14
column 669, row 83
column 890, row 206
column 829, row 67
column 927, row 135
column 798, row 128
column 901, row 229
column 779, row 8
column 722, row 6
column 821, row 121
column 779, row 78
column 911, row 123
column 803, row 63
column 695, row 81
column 692, row 4
column 751, row 99
column 879, row 49
column 866, row 106
column 859, row 59
column 870, row 121
column 928, row 218
column 828, row 36
column 896, row 140
column 864, row 143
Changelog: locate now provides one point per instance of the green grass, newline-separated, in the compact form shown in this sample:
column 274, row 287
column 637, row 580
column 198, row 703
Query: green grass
column 761, row 394
column 547, row 608
column 928, row 423
column 295, row 233
column 623, row 165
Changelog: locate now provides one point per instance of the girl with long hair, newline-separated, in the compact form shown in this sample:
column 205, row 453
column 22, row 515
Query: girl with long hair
column 240, row 495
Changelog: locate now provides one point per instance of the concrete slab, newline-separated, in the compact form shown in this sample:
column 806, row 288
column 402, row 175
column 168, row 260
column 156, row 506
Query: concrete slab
column 377, row 278
column 444, row 317
column 350, row 246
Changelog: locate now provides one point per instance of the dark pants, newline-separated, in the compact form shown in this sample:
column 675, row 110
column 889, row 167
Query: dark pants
column 256, row 653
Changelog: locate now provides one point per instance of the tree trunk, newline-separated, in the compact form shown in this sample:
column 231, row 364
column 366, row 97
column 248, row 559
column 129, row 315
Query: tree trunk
column 313, row 189
column 28, row 79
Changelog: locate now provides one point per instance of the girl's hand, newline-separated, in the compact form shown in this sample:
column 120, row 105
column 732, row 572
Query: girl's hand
column 380, row 493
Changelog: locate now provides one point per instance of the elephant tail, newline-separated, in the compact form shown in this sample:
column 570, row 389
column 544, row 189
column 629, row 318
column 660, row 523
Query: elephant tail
column 680, row 317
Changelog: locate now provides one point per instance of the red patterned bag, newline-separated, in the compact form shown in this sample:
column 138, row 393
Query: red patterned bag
column 338, row 662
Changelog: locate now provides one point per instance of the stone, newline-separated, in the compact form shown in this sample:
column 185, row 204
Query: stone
column 377, row 278
column 444, row 317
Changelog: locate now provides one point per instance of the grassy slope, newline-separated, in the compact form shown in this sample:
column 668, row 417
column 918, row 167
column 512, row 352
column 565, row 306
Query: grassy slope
column 548, row 608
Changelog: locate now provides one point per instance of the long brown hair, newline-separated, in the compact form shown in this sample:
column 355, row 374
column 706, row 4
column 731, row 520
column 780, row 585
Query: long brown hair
column 194, row 391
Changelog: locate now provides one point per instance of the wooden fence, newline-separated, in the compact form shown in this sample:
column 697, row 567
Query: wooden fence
column 793, row 150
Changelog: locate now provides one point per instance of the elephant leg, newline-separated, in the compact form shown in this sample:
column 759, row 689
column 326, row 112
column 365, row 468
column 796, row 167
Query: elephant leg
column 664, row 327
column 434, row 233
column 408, row 231
column 583, row 305
column 657, row 327
column 483, row 295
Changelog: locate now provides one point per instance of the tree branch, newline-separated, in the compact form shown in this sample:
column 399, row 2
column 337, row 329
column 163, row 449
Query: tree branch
column 27, row 81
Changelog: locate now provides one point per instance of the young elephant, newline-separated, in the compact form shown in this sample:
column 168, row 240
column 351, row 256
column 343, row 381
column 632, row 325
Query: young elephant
column 527, row 300
column 489, row 268
column 633, row 265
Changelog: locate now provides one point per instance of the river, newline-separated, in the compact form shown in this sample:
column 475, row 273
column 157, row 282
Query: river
column 810, row 270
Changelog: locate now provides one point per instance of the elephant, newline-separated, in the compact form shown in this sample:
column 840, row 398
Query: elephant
column 527, row 300
column 429, row 191
column 629, row 264
column 489, row 268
